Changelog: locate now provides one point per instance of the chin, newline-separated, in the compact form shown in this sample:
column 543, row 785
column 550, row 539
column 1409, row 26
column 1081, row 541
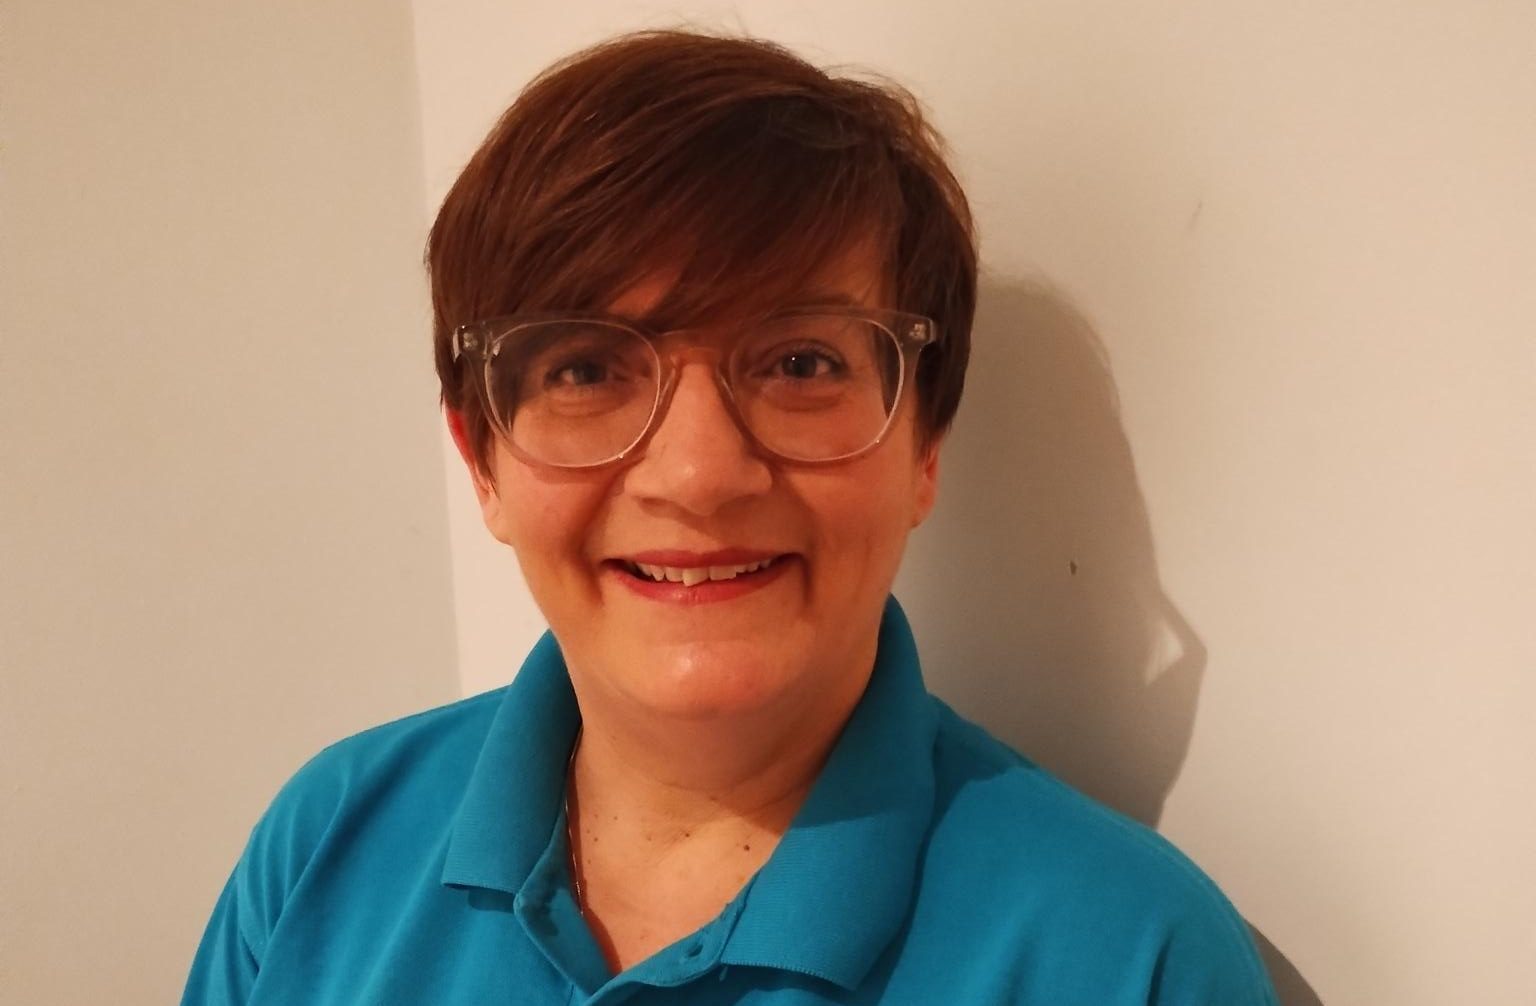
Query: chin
column 718, row 679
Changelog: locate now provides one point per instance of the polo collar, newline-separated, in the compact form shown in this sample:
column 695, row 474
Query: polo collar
column 517, row 788
column 838, row 888
column 839, row 885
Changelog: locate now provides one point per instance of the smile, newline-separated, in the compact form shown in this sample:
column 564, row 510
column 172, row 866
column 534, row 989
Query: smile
column 693, row 578
column 690, row 576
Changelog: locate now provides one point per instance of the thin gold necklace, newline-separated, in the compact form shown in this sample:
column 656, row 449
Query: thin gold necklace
column 570, row 832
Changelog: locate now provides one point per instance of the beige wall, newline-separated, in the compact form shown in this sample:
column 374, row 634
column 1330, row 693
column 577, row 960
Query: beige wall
column 1256, row 359
column 222, row 512
column 1235, row 531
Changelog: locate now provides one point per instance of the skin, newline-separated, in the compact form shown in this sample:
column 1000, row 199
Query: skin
column 704, row 725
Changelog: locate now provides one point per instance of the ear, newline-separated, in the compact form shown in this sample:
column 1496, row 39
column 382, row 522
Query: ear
column 484, row 483
column 925, row 488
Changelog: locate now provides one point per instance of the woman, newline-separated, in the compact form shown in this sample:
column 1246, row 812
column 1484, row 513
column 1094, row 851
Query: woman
column 702, row 317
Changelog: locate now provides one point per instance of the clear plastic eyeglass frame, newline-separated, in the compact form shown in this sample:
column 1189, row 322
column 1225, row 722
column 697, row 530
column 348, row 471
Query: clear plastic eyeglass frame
column 482, row 340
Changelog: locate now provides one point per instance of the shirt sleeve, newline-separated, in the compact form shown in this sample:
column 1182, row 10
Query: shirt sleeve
column 1209, row 959
column 279, row 850
column 224, row 970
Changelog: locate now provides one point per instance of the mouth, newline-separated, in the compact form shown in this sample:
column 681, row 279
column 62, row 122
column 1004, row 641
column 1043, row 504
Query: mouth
column 695, row 577
column 691, row 576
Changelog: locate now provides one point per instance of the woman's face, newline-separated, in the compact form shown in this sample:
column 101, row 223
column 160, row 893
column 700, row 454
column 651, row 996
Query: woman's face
column 788, row 637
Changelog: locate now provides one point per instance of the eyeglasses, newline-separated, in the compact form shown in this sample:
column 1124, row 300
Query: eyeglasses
column 812, row 386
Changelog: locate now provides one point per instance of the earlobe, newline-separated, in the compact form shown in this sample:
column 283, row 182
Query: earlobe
column 925, row 492
column 481, row 475
column 485, row 488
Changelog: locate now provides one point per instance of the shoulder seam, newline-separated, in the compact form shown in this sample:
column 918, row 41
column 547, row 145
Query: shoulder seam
column 1142, row 836
column 1163, row 848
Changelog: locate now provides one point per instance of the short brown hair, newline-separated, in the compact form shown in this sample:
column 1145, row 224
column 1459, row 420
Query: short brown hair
column 729, row 160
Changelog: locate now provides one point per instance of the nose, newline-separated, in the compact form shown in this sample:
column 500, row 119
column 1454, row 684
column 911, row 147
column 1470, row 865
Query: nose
column 698, row 459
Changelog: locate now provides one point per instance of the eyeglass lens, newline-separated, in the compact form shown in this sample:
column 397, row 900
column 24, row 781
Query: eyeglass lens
column 808, row 387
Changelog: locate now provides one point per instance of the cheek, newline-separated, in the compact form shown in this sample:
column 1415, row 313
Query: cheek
column 862, row 516
column 548, row 519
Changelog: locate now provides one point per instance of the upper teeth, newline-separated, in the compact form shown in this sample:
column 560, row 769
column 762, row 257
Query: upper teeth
column 690, row 575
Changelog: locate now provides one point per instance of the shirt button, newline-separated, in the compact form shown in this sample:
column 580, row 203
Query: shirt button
column 695, row 950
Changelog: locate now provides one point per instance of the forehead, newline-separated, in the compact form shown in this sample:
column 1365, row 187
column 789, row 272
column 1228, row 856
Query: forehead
column 858, row 276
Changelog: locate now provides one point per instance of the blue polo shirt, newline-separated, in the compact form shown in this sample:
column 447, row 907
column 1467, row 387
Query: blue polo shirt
column 423, row 863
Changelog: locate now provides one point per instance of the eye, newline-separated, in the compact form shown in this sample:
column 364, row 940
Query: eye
column 805, row 364
column 576, row 374
column 802, row 363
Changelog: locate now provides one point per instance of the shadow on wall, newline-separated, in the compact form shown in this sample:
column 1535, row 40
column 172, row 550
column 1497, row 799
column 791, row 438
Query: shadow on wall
column 1033, row 589
column 1039, row 603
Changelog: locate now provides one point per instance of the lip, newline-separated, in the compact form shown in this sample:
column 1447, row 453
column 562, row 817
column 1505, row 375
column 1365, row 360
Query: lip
column 708, row 592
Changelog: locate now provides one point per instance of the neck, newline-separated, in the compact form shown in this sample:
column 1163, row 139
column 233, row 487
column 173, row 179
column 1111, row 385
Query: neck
column 670, row 780
column 669, row 820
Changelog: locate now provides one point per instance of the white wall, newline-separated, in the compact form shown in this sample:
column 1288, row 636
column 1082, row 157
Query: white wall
column 1256, row 359
column 223, row 540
